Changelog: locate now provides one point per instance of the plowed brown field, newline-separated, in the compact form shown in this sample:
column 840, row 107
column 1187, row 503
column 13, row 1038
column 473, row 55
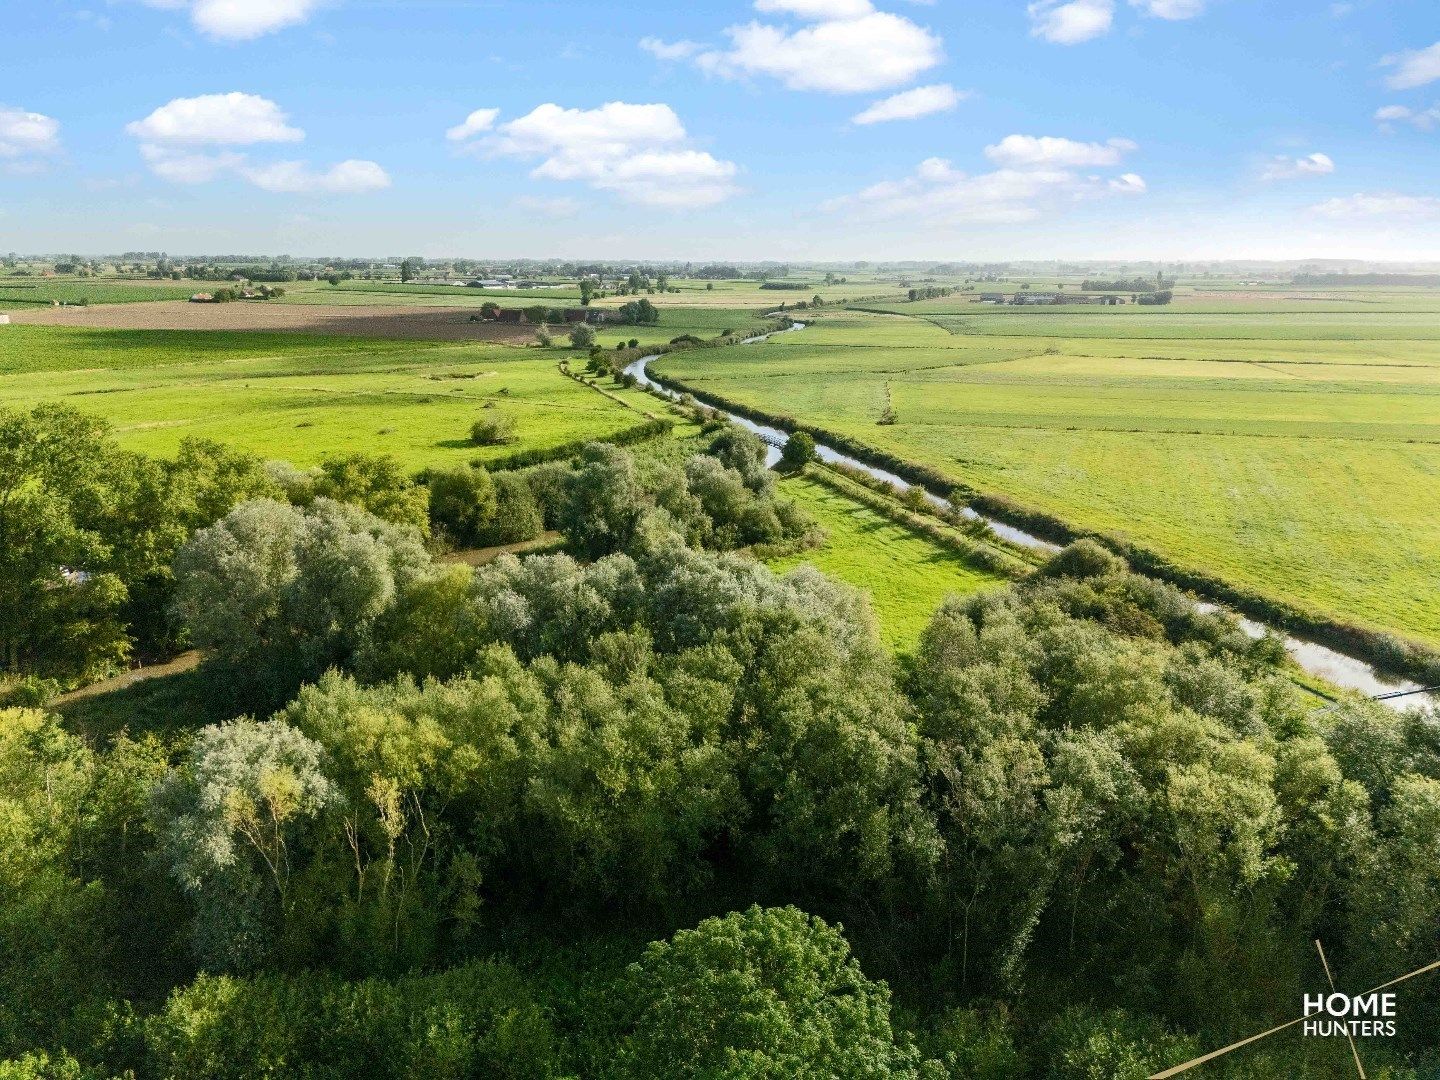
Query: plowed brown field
column 409, row 323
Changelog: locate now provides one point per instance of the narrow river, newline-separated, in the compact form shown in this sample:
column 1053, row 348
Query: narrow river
column 1319, row 660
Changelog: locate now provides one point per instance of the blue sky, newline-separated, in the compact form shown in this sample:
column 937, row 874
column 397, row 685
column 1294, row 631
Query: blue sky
column 793, row 129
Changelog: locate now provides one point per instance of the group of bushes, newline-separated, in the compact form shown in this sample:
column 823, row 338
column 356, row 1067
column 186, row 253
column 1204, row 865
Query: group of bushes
column 286, row 608
column 90, row 533
column 600, row 496
column 520, row 459
column 228, row 295
column 1131, row 285
column 495, row 429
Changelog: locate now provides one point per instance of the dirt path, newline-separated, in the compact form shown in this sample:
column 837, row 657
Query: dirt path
column 373, row 321
column 481, row 556
column 186, row 661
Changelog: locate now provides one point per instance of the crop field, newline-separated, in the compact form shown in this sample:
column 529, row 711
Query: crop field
column 411, row 322
column 300, row 398
column 1291, row 451
column 1171, row 325
column 906, row 574
column 1188, row 301
column 40, row 292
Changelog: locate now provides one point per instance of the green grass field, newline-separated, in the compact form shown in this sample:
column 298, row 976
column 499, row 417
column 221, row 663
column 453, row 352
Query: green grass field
column 906, row 574
column 1294, row 452
column 300, row 398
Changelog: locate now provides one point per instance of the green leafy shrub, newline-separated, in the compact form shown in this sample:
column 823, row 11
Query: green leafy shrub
column 495, row 429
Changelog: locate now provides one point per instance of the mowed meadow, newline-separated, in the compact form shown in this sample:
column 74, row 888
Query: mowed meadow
column 300, row 397
column 1287, row 443
column 907, row 575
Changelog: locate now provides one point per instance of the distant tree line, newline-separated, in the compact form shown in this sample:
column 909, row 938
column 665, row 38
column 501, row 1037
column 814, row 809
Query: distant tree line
column 1133, row 285
column 928, row 292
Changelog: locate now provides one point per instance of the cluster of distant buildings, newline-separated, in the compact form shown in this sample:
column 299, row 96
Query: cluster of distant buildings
column 503, row 281
column 1032, row 299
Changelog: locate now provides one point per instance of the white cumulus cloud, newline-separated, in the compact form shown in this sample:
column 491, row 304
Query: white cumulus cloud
column 191, row 141
column 911, row 104
column 27, row 134
column 1070, row 23
column 347, row 178
column 1019, row 151
column 478, row 121
column 1288, row 168
column 1388, row 204
column 217, row 119
column 573, row 135
column 1415, row 67
column 874, row 51
column 938, row 192
column 1387, row 116
column 639, row 152
column 242, row 20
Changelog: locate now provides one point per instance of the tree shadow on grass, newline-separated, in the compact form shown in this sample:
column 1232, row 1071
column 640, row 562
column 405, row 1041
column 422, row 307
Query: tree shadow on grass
column 166, row 706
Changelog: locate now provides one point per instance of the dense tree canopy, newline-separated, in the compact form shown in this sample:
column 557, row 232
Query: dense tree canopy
column 278, row 593
column 87, row 535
